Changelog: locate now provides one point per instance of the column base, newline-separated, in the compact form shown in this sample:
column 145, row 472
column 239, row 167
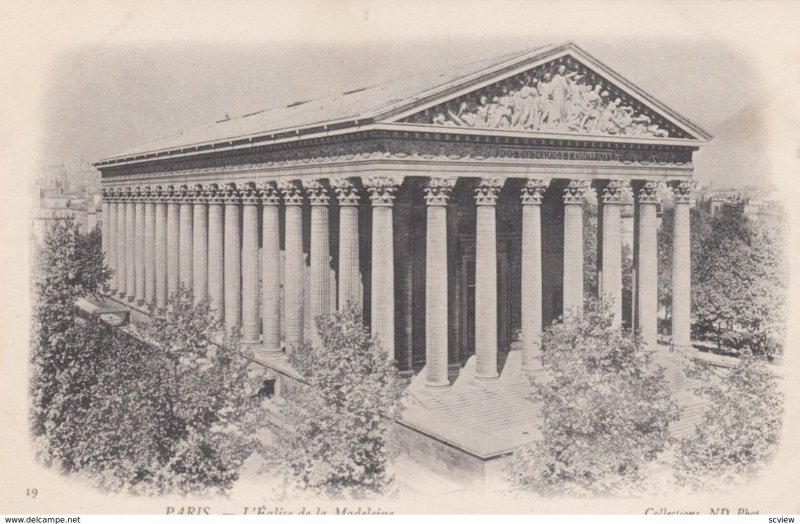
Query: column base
column 437, row 387
column 490, row 378
column 253, row 345
column 261, row 352
column 131, row 299
column 140, row 302
column 533, row 369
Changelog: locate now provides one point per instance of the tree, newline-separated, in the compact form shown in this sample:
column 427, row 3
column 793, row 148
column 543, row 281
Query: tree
column 738, row 290
column 605, row 411
column 738, row 433
column 335, row 442
column 167, row 410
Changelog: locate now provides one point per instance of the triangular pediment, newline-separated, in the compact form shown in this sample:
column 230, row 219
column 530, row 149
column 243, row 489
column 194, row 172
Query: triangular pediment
column 561, row 90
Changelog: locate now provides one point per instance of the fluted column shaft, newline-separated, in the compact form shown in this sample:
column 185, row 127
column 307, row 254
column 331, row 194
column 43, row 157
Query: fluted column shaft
column 486, row 279
column 149, row 250
column 185, row 235
column 573, row 247
column 112, row 245
column 173, row 243
column 251, row 321
column 611, row 278
column 160, row 251
column 349, row 277
column 233, row 260
column 216, row 257
column 139, row 253
column 270, row 270
column 293, row 273
column 199, row 245
column 382, row 194
column 647, row 268
column 681, row 268
column 122, row 251
column 531, row 274
column 106, row 219
column 319, row 283
column 130, row 248
column 437, row 193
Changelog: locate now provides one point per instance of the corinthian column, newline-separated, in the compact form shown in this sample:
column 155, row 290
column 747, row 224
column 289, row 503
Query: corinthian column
column 233, row 258
column 122, row 237
column 486, row 278
column 185, row 235
column 149, row 247
column 647, row 264
column 250, row 318
column 270, row 269
column 139, row 253
column 216, row 257
column 199, row 243
column 106, row 218
column 173, row 239
column 437, row 193
column 112, row 240
column 293, row 273
column 382, row 192
column 130, row 245
column 160, row 249
column 349, row 277
column 320, row 285
column 573, row 246
column 531, row 310
column 611, row 263
column 681, row 266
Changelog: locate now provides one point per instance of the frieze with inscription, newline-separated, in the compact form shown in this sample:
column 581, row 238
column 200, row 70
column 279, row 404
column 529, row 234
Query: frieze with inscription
column 401, row 149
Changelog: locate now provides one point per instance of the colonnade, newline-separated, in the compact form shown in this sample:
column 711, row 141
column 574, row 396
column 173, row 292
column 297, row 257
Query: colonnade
column 205, row 237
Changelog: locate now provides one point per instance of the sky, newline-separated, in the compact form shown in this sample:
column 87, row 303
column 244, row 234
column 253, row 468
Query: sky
column 106, row 98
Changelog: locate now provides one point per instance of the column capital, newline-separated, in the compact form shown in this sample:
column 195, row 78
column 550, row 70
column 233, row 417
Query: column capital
column 198, row 194
column 214, row 194
column 317, row 193
column 185, row 194
column 106, row 194
column 250, row 194
column 270, row 194
column 172, row 195
column 682, row 191
column 574, row 192
column 127, row 195
column 487, row 191
column 292, row 192
column 346, row 191
column 648, row 193
column 437, row 191
column 138, row 194
column 157, row 194
column 533, row 191
column 147, row 194
column 614, row 191
column 383, row 189
column 230, row 194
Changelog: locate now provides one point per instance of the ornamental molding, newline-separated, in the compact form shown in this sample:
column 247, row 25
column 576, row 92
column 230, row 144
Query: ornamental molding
column 346, row 192
column 533, row 191
column 437, row 191
column 414, row 150
column 487, row 191
column 575, row 191
column 559, row 96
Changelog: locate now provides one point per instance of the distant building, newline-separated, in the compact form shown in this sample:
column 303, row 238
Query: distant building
column 62, row 190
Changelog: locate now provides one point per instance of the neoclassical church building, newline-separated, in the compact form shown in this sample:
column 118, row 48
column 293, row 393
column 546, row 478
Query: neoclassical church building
column 449, row 208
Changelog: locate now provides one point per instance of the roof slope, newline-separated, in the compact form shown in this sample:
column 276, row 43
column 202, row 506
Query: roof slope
column 384, row 101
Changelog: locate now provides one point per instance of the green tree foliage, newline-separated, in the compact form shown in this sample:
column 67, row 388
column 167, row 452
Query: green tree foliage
column 738, row 434
column 739, row 282
column 172, row 413
column 605, row 410
column 335, row 443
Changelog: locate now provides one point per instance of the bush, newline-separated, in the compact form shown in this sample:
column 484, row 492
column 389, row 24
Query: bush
column 605, row 409
column 338, row 420
column 739, row 432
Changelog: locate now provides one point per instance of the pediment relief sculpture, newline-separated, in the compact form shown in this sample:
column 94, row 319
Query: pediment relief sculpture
column 562, row 96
